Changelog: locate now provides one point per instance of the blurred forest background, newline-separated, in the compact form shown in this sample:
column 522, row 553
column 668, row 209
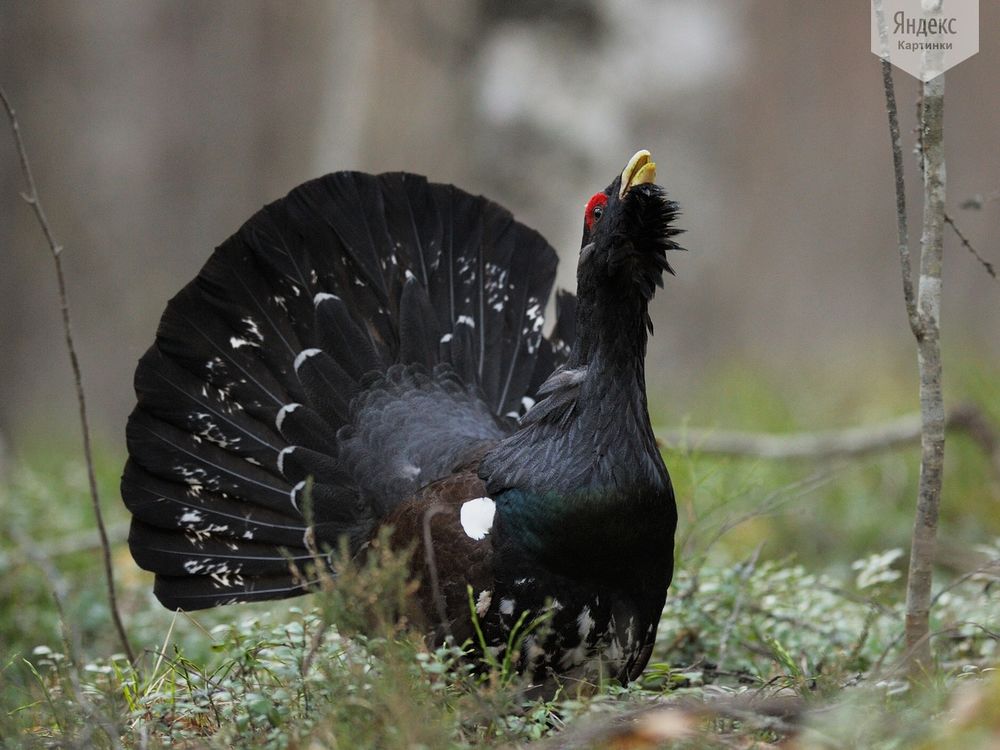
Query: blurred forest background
column 156, row 128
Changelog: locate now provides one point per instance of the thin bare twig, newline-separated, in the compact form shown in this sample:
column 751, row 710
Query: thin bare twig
column 947, row 217
column 987, row 266
column 31, row 197
column 968, row 246
column 429, row 556
column 323, row 574
column 902, row 232
column 847, row 443
column 968, row 576
column 903, row 661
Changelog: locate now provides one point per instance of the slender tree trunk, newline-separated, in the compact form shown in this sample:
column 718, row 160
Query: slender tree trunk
column 918, row 590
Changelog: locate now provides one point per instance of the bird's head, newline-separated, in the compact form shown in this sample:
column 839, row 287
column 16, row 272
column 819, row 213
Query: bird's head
column 627, row 232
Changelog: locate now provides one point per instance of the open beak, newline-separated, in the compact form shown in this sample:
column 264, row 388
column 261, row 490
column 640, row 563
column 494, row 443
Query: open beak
column 640, row 171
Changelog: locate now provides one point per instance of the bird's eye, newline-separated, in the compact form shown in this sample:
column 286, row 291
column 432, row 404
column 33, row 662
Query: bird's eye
column 595, row 209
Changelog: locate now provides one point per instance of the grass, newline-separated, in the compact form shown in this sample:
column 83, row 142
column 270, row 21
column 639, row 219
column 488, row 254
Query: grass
column 782, row 625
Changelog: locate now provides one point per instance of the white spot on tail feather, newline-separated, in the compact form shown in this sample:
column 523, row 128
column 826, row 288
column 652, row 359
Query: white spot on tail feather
column 253, row 330
column 283, row 412
column 323, row 296
column 281, row 457
column 303, row 356
column 252, row 337
column 477, row 517
column 236, row 342
column 294, row 494
column 465, row 320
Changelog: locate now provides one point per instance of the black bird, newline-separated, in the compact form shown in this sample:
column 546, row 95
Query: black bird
column 378, row 340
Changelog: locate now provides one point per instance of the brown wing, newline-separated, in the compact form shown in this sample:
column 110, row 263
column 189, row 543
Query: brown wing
column 446, row 559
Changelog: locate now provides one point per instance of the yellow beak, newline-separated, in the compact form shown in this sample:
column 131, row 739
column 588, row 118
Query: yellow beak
column 640, row 171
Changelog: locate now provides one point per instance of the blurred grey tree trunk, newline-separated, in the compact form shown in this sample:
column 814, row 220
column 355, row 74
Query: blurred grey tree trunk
column 160, row 128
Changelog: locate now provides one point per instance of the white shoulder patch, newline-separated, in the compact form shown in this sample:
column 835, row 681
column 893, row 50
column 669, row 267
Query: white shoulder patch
column 477, row 517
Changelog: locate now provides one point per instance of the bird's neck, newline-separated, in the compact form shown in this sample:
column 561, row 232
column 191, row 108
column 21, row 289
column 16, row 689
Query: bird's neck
column 611, row 345
column 587, row 477
column 607, row 444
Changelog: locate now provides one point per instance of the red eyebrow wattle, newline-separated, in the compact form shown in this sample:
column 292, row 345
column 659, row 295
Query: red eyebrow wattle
column 598, row 199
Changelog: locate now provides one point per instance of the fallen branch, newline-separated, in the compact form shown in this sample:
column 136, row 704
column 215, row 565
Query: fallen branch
column 662, row 723
column 72, row 544
column 32, row 199
column 851, row 442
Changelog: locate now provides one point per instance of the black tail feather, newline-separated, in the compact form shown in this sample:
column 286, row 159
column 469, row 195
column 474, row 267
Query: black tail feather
column 190, row 592
column 418, row 334
column 356, row 349
column 357, row 338
column 167, row 505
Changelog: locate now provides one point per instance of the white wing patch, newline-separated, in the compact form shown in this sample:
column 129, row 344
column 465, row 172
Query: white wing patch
column 477, row 517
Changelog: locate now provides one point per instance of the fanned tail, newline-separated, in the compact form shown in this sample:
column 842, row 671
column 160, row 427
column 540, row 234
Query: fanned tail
column 356, row 338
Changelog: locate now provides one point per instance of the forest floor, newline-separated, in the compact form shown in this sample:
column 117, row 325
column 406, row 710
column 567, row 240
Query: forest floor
column 782, row 628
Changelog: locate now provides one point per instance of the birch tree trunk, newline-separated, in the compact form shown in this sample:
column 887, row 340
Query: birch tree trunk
column 918, row 590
